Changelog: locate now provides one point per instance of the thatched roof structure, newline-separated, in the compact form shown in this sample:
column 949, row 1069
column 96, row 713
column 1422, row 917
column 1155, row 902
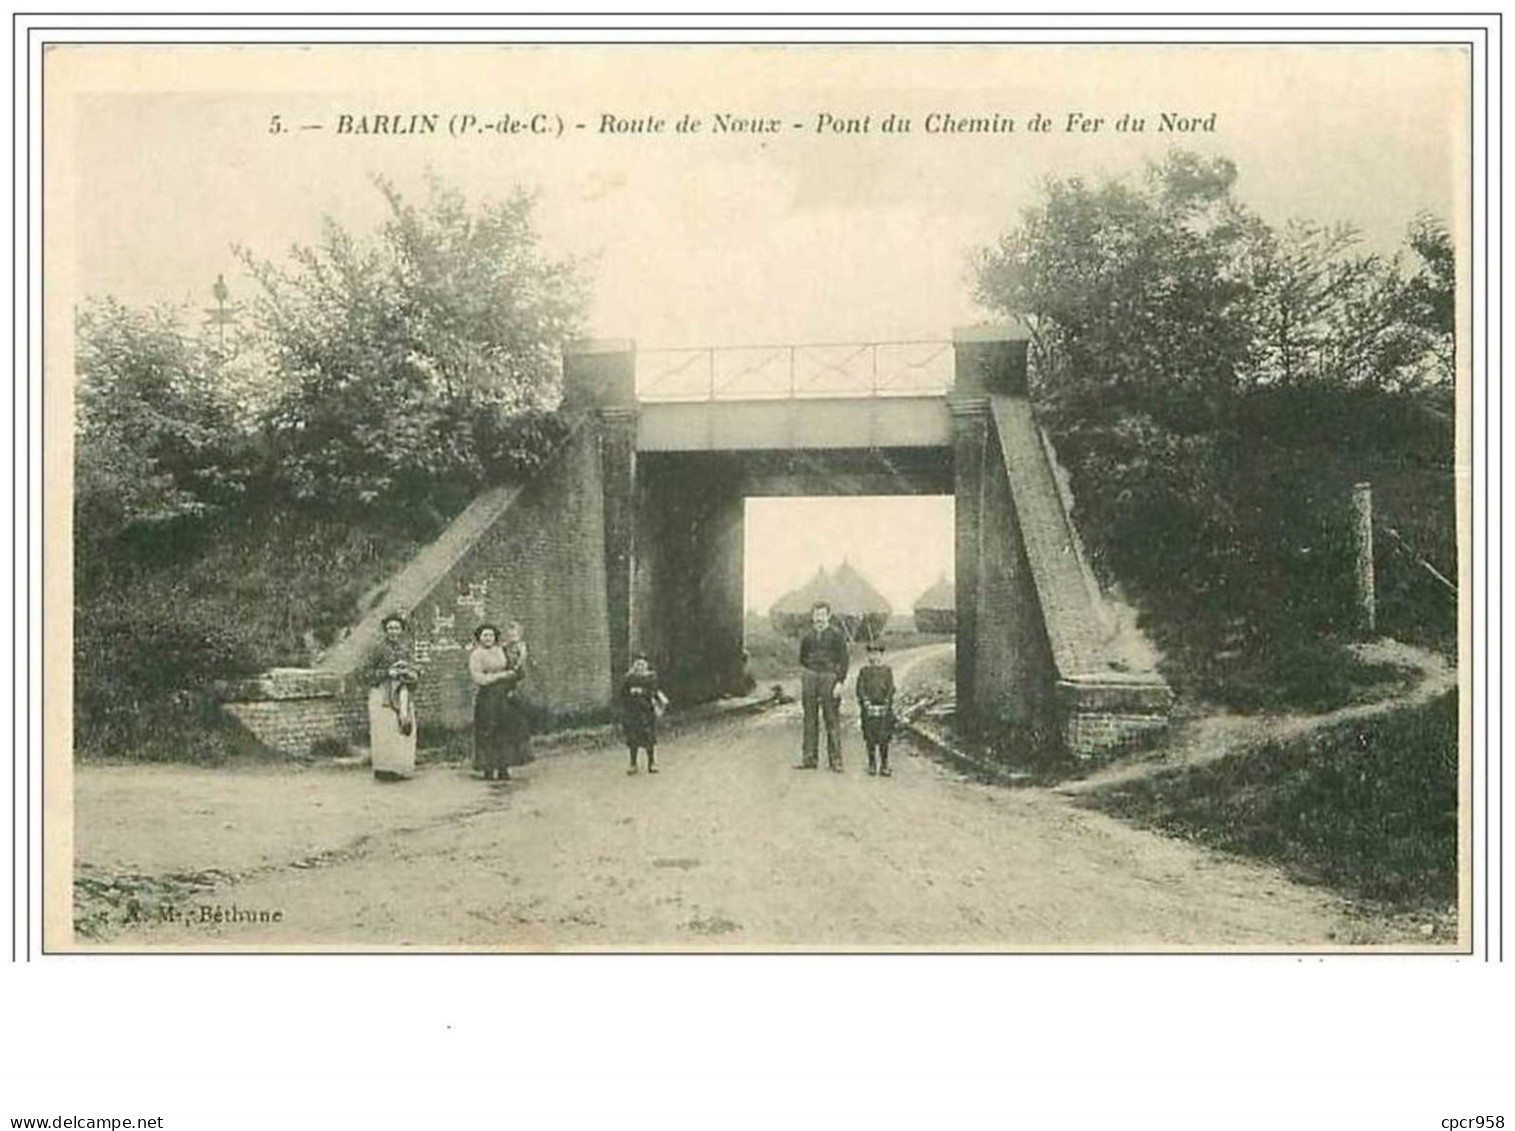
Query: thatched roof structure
column 791, row 612
column 799, row 600
column 852, row 594
column 941, row 595
column 856, row 604
column 862, row 608
column 936, row 608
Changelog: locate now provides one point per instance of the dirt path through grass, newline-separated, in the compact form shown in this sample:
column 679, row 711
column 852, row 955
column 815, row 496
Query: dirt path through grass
column 1219, row 734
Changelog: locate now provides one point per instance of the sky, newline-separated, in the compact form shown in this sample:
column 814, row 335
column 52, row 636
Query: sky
column 723, row 239
column 902, row 545
column 163, row 158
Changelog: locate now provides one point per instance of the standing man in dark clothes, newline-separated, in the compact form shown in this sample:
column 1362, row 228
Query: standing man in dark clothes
column 875, row 700
column 823, row 656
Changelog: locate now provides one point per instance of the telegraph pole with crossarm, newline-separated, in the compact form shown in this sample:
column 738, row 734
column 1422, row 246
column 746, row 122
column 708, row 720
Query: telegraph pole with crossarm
column 221, row 316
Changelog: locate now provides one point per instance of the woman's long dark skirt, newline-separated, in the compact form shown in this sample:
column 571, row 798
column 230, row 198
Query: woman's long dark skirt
column 501, row 731
column 640, row 730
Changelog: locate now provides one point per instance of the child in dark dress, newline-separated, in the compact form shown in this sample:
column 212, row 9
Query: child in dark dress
column 642, row 701
column 875, row 700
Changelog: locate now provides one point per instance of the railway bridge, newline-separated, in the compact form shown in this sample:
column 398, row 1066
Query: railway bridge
column 632, row 539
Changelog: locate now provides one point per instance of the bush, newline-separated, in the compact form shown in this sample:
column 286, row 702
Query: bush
column 142, row 685
column 1241, row 580
column 155, row 627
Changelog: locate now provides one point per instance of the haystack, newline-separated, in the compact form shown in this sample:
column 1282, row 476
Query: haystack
column 855, row 604
column 861, row 608
column 790, row 614
column 936, row 608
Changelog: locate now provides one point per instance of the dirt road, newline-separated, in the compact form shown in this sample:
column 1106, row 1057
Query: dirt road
column 729, row 847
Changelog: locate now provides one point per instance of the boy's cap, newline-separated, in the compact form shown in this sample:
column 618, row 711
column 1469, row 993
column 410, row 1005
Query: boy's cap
column 875, row 645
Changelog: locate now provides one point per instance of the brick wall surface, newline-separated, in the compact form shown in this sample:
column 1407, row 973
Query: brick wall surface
column 1076, row 629
column 419, row 577
column 1014, row 671
column 1104, row 715
column 1093, row 735
column 294, row 726
column 541, row 563
column 970, row 424
column 535, row 555
column 290, row 709
column 1090, row 699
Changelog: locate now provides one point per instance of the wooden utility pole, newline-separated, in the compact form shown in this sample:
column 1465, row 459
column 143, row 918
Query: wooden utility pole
column 1362, row 531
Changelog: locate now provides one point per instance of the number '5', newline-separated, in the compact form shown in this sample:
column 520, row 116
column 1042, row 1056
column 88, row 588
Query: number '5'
column 275, row 125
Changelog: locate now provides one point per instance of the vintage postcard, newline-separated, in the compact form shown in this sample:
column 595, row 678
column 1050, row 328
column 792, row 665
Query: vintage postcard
column 757, row 497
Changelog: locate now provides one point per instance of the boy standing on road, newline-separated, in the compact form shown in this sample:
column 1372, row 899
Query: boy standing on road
column 875, row 700
column 824, row 660
column 642, row 701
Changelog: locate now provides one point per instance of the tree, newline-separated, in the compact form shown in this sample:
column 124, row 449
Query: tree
column 156, row 439
column 1180, row 346
column 1430, row 297
column 1300, row 279
column 422, row 362
column 1328, row 317
column 1132, row 294
column 1140, row 307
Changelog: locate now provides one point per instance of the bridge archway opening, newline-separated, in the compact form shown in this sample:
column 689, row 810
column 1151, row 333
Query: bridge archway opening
column 721, row 534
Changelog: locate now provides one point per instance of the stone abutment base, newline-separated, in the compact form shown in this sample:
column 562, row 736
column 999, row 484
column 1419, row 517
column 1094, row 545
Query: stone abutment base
column 290, row 709
column 1105, row 714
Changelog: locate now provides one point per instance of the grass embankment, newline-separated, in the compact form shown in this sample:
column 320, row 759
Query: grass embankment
column 1368, row 809
column 1303, row 661
column 171, row 615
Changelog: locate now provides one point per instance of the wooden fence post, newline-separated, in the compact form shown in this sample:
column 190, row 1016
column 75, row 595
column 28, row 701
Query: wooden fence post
column 1362, row 531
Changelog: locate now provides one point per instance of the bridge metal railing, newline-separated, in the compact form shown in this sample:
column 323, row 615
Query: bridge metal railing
column 743, row 373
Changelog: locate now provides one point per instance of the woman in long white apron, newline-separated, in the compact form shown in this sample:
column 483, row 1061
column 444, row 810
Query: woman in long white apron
column 392, row 726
